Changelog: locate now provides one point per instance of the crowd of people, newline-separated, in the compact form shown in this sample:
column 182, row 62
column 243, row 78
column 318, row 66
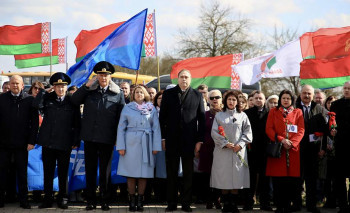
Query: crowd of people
column 179, row 137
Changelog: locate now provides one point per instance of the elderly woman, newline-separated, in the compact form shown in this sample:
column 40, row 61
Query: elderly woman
column 206, row 151
column 286, row 125
column 272, row 101
column 138, row 140
column 231, row 132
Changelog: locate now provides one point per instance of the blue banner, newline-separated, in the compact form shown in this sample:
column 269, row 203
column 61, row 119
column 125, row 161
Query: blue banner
column 122, row 47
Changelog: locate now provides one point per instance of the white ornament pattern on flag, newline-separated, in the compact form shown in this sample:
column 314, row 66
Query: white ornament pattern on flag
column 149, row 38
column 62, row 51
column 235, row 82
column 45, row 37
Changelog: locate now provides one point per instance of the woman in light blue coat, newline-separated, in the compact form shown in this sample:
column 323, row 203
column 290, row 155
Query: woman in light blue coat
column 138, row 140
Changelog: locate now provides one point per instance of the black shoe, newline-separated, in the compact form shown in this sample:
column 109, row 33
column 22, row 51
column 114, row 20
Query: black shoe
column 90, row 207
column 139, row 205
column 2, row 205
column 266, row 208
column 171, row 208
column 186, row 208
column 105, row 207
column 63, row 204
column 313, row 210
column 132, row 203
column 25, row 205
column 45, row 205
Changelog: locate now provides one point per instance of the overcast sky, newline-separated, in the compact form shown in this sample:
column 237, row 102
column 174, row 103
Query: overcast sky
column 69, row 17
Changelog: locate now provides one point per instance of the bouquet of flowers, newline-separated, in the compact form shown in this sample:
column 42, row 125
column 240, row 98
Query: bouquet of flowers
column 332, row 122
column 222, row 133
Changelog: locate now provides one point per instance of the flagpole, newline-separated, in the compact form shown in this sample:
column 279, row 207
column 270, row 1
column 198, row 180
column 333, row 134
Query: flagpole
column 50, row 42
column 65, row 54
column 155, row 45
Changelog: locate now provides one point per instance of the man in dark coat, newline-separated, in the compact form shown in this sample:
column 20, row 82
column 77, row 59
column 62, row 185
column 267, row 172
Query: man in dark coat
column 256, row 154
column 58, row 134
column 103, row 102
column 311, row 147
column 342, row 146
column 182, row 120
column 19, row 123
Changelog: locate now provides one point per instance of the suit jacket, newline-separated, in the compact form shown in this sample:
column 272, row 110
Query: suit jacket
column 19, row 121
column 61, row 123
column 182, row 124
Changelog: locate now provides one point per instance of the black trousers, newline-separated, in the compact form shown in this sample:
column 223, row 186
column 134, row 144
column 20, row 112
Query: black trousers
column 20, row 157
column 50, row 156
column 102, row 154
column 285, row 190
column 172, row 167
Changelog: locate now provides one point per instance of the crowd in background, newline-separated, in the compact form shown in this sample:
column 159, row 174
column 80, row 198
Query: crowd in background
column 178, row 144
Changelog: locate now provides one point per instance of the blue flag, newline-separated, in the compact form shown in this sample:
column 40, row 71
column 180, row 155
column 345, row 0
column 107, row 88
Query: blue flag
column 122, row 47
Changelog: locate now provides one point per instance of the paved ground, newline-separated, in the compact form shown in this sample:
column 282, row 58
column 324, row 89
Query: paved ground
column 80, row 207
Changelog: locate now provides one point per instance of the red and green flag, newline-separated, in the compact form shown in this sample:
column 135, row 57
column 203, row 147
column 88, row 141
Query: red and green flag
column 325, row 52
column 26, row 39
column 59, row 55
column 325, row 73
column 215, row 72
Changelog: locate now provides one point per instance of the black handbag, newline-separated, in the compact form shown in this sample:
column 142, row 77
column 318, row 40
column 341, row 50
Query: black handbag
column 273, row 148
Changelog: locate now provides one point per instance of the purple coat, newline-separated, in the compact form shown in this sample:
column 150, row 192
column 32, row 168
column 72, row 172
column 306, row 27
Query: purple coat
column 206, row 151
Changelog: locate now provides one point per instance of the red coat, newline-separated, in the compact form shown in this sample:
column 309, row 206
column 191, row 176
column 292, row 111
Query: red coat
column 277, row 167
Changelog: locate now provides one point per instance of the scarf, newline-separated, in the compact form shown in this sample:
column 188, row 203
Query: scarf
column 145, row 108
column 286, row 111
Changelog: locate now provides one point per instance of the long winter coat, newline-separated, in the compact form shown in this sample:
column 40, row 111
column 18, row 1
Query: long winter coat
column 19, row 121
column 342, row 142
column 183, row 123
column 139, row 135
column 276, row 125
column 101, row 112
column 61, row 124
column 228, row 171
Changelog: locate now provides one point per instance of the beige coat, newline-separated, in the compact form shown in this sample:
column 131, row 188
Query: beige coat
column 228, row 171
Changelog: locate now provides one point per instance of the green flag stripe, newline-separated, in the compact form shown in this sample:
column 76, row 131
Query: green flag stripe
column 325, row 82
column 271, row 62
column 79, row 59
column 34, row 62
column 20, row 49
column 222, row 82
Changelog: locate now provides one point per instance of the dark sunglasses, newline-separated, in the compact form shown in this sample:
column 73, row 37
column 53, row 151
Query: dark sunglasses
column 215, row 97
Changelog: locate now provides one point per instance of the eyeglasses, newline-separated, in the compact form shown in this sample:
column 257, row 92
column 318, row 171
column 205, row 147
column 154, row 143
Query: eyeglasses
column 215, row 97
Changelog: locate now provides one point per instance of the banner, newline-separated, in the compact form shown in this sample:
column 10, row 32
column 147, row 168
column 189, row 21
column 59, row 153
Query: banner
column 284, row 62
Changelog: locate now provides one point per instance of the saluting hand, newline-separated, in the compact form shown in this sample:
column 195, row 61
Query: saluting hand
column 50, row 89
column 91, row 81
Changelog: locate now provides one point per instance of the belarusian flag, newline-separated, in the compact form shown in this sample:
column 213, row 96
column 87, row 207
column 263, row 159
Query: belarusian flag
column 87, row 40
column 284, row 62
column 43, row 59
column 325, row 73
column 150, row 40
column 325, row 43
column 215, row 72
column 27, row 39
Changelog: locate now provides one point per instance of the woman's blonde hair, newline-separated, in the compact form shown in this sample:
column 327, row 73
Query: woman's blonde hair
column 147, row 97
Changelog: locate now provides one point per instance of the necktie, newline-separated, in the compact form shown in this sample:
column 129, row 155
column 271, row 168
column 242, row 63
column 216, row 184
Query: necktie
column 306, row 114
column 60, row 100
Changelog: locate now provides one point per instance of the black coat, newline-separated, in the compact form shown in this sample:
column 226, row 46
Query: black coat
column 342, row 142
column 182, row 125
column 309, row 150
column 256, row 154
column 61, row 121
column 101, row 112
column 19, row 121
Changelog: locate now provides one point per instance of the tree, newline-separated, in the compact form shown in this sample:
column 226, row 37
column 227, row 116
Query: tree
column 217, row 34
